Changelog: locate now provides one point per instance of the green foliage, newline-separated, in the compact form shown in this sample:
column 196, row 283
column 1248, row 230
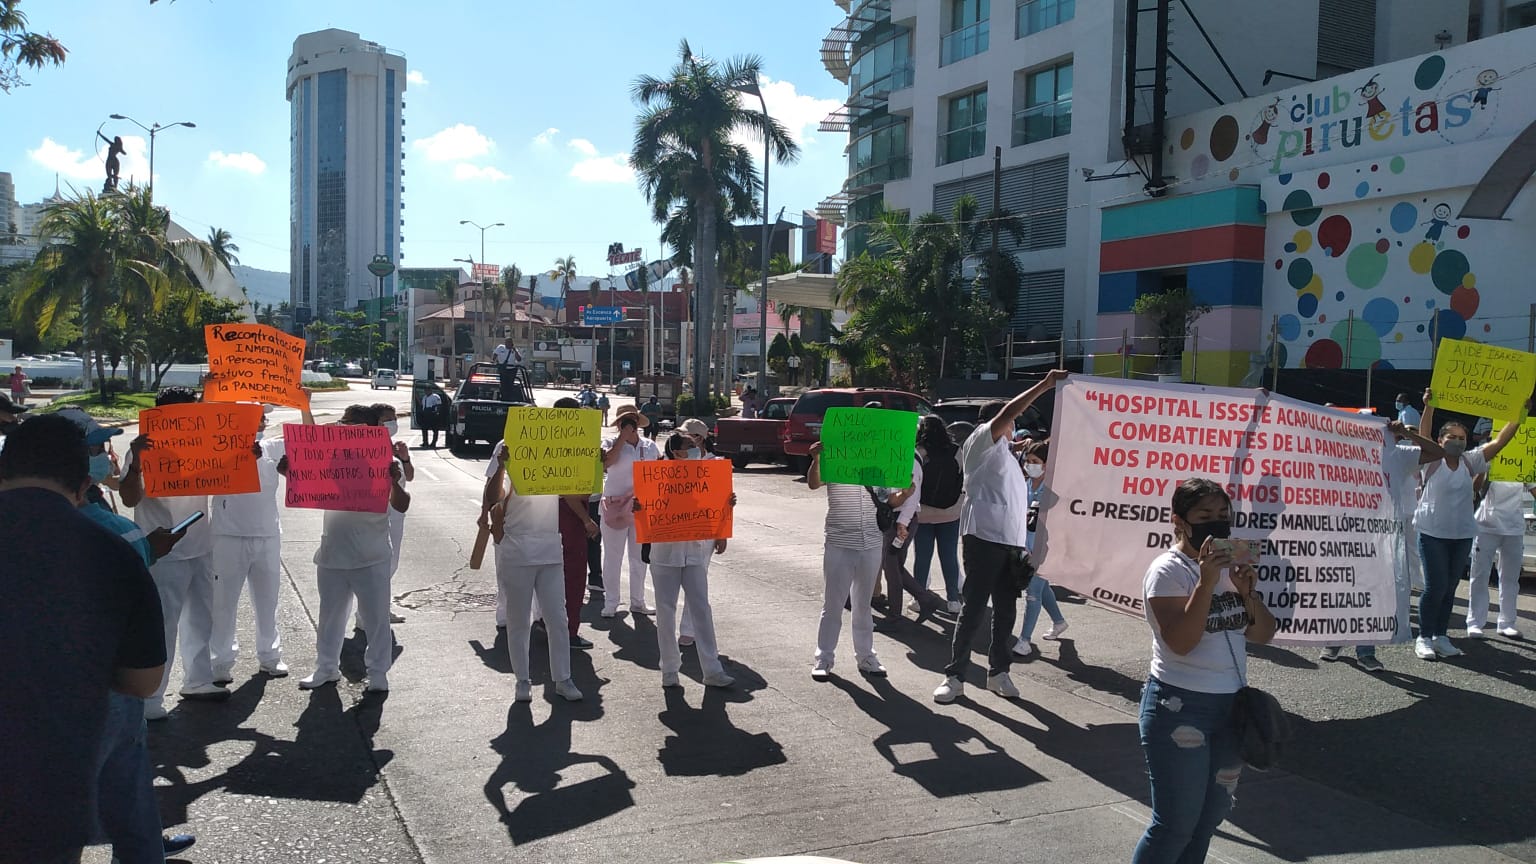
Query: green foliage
column 175, row 333
column 21, row 47
column 1172, row 312
column 115, row 406
column 684, row 405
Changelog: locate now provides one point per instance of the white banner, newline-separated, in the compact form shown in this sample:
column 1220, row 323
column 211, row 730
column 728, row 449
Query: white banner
column 1306, row 482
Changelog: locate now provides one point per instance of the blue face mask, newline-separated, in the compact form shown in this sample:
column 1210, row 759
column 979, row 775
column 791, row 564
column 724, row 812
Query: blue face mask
column 101, row 467
column 694, row 453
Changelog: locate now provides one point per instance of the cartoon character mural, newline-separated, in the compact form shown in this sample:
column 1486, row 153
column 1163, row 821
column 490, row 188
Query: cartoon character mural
column 1440, row 219
column 1267, row 118
column 1371, row 92
column 1485, row 81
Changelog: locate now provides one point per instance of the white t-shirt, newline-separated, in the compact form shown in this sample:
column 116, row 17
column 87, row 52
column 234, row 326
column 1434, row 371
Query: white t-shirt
column 1503, row 508
column 996, row 491
column 1219, row 662
column 155, row 513
column 532, row 523
column 501, row 354
column 620, row 477
column 1400, row 462
column 349, row 541
column 910, row 507
column 254, row 514
column 1445, row 504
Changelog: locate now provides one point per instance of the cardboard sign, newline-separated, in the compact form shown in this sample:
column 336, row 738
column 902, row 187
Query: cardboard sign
column 254, row 363
column 1517, row 461
column 868, row 447
column 199, row 449
column 554, row 451
column 338, row 467
column 1482, row 380
column 683, row 499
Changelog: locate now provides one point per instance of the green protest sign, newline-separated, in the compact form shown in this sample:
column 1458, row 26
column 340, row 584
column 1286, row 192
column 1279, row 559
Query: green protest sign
column 1482, row 380
column 1517, row 461
column 868, row 447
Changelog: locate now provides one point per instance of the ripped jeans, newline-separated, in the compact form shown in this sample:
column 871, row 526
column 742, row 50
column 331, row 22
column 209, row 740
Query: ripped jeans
column 1193, row 763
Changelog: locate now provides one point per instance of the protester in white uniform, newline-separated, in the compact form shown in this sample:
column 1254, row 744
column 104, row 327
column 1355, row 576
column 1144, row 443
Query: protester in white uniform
column 850, row 564
column 352, row 563
column 620, row 453
column 529, row 561
column 391, row 424
column 184, row 576
column 1501, row 534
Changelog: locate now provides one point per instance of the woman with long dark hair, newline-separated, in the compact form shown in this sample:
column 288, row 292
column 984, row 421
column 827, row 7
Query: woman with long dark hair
column 938, row 520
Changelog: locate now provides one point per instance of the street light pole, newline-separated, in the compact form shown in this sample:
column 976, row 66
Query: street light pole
column 483, row 229
column 380, row 267
column 153, row 130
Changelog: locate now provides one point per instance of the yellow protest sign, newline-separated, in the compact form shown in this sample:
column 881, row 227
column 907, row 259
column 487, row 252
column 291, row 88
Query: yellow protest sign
column 1482, row 380
column 1517, row 462
column 554, row 451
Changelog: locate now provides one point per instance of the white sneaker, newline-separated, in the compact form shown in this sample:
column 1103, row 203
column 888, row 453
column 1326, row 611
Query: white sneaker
column 871, row 666
column 1003, row 686
column 523, row 692
column 914, row 607
column 610, row 613
column 1055, row 632
column 1474, row 632
column 205, row 693
column 718, row 680
column 822, row 671
column 1510, row 633
column 567, row 690
column 954, row 607
column 1442, row 646
column 670, row 679
column 318, row 679
column 155, row 711
column 641, row 608
column 949, row 691
column 1424, row 649
column 1330, row 654
column 377, row 684
column 1023, row 648
column 275, row 670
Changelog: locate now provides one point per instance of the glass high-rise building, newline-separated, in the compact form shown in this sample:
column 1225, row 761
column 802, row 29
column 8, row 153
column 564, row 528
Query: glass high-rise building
column 347, row 105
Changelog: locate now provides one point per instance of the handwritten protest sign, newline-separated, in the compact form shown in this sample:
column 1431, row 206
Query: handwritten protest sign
column 1517, row 462
column 683, row 499
column 1482, row 380
column 199, row 449
column 254, row 363
column 554, row 451
column 868, row 447
column 338, row 467
column 1306, row 483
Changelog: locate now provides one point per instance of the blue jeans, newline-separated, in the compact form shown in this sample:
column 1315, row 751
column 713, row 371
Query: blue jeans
column 946, row 535
column 1037, row 595
column 126, row 811
column 1194, row 766
column 1445, row 563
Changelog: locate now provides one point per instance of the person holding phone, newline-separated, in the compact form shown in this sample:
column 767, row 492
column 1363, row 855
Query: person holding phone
column 1038, row 596
column 1203, row 612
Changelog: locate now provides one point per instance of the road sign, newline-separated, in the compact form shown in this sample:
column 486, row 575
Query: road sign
column 486, row 272
column 625, row 364
column 601, row 316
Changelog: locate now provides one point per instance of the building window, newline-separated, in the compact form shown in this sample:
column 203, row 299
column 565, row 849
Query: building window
column 879, row 153
column 965, row 127
column 970, row 27
column 1044, row 107
column 884, row 66
column 1037, row 15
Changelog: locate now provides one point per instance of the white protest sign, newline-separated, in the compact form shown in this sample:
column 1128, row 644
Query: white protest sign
column 1306, row 482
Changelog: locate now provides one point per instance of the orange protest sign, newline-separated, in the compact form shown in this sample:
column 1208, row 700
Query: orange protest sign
column 683, row 499
column 254, row 363
column 199, row 448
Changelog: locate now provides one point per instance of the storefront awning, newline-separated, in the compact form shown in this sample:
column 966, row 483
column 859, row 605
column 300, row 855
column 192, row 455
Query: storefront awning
column 806, row 290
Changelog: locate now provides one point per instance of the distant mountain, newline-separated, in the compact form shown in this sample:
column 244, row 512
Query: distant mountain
column 263, row 286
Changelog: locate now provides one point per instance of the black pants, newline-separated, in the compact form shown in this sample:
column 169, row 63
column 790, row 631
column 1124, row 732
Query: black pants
column 992, row 573
column 893, row 563
column 509, row 389
column 429, row 426
column 595, row 549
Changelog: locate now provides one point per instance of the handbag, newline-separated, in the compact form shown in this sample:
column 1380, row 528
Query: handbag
column 885, row 514
column 1259, row 724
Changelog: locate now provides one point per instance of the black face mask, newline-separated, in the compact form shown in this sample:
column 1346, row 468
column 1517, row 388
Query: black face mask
column 1200, row 532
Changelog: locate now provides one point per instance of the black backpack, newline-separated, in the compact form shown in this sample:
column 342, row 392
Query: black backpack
column 942, row 480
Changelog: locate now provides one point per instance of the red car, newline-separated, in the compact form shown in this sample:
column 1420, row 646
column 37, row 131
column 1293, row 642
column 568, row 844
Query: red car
column 804, row 426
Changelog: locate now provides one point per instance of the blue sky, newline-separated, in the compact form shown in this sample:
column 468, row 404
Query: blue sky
column 517, row 112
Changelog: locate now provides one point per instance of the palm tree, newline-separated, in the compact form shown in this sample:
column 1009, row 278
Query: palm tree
column 494, row 294
column 222, row 244
column 565, row 274
column 685, row 159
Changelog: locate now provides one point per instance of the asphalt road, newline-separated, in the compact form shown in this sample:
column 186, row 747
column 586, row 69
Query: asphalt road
column 1428, row 762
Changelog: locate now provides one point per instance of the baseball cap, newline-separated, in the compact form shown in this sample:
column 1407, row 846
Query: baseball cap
column 696, row 427
column 95, row 433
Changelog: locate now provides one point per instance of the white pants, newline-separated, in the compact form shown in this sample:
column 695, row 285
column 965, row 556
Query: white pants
column 849, row 574
column 616, row 541
column 694, row 582
column 396, row 537
column 519, row 583
column 186, row 601
column 1509, row 548
column 236, row 561
column 338, row 587
column 1415, row 564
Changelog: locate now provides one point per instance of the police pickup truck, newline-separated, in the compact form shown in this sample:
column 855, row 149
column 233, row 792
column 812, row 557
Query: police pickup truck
column 479, row 409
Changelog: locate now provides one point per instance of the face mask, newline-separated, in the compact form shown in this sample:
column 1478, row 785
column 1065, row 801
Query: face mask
column 261, row 433
column 1398, row 405
column 1454, row 447
column 1034, row 470
column 393, row 426
column 101, row 467
column 695, row 453
column 1220, row 529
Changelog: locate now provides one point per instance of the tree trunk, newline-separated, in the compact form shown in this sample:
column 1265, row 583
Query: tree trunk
column 705, row 298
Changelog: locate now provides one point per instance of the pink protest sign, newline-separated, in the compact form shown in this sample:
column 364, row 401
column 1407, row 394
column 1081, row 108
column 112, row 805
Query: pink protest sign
column 338, row 467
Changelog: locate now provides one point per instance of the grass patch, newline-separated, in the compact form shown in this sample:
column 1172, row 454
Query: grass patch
column 118, row 406
column 337, row 384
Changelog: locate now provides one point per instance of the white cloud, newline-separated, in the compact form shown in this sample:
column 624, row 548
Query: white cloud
column 583, row 146
column 798, row 113
column 546, row 138
column 457, row 142
column 416, row 79
column 466, row 171
column 250, row 163
column 76, row 165
column 604, row 169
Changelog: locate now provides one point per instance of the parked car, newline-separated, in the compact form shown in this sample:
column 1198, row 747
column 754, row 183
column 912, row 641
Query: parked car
column 757, row 440
column 626, row 387
column 384, row 378
column 804, row 425
column 351, row 370
column 1036, row 418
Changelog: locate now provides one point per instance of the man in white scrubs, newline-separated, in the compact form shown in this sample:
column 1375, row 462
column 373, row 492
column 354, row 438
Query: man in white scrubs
column 184, row 576
column 620, row 453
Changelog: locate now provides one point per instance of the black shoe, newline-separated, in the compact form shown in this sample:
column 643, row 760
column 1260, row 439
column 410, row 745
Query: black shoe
column 174, row 843
column 581, row 642
column 878, row 601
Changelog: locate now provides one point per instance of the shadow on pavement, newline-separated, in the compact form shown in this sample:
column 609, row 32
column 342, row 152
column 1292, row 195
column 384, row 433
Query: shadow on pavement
column 703, row 742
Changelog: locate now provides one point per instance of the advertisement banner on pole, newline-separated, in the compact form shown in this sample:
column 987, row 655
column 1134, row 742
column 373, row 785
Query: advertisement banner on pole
column 1306, row 484
column 486, row 272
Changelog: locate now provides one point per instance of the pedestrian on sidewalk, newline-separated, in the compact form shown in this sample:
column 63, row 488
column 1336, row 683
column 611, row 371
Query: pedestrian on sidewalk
column 603, row 405
column 526, row 530
column 1203, row 613
column 20, row 388
column 993, row 541
column 1038, row 595
column 184, row 576
column 938, row 517
column 850, row 565
column 620, row 453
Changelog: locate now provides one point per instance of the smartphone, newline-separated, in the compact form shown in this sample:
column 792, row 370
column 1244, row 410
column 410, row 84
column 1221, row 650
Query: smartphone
column 187, row 522
column 1242, row 551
